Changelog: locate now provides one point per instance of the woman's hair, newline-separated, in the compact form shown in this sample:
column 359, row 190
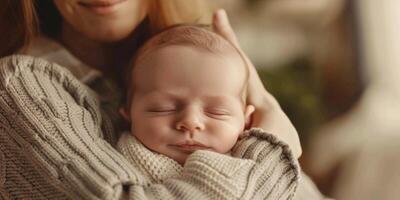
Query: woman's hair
column 17, row 25
column 22, row 20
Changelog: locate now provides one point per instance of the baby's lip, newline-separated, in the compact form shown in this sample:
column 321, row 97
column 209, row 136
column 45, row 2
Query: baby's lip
column 190, row 143
column 190, row 146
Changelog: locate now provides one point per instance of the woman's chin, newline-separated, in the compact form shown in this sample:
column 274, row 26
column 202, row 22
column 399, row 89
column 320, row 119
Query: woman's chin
column 110, row 36
column 109, row 32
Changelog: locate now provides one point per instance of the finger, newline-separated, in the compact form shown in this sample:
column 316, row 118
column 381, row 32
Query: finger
column 222, row 26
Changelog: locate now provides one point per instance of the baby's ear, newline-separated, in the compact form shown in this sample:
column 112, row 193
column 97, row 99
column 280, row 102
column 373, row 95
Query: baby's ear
column 247, row 114
column 125, row 114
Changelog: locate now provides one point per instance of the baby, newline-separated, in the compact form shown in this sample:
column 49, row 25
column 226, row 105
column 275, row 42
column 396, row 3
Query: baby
column 188, row 92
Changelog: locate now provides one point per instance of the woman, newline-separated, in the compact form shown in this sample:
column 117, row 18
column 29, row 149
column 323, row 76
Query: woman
column 55, row 134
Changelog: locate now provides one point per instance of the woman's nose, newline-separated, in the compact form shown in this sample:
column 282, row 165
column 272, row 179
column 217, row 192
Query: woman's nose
column 190, row 121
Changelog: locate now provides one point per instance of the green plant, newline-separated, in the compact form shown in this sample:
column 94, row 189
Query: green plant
column 296, row 88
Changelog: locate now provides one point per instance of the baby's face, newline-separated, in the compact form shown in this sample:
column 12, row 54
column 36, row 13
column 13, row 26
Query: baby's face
column 186, row 99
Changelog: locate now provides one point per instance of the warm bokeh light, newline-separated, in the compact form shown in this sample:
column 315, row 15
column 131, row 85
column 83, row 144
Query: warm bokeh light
column 332, row 64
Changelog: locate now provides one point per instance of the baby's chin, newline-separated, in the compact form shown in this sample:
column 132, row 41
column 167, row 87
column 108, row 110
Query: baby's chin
column 229, row 153
column 182, row 160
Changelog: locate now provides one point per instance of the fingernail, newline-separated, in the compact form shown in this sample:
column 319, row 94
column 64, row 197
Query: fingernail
column 222, row 16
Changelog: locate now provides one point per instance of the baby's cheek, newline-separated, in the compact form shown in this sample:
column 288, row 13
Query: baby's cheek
column 152, row 123
column 159, row 130
column 229, row 138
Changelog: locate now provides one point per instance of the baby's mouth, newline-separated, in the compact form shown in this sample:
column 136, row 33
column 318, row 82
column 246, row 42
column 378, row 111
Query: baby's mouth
column 190, row 146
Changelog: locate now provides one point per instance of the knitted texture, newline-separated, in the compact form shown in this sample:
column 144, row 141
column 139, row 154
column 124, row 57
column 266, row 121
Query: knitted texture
column 278, row 183
column 257, row 145
column 52, row 147
column 154, row 167
column 51, row 138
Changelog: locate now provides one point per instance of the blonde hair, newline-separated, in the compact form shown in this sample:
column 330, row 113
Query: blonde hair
column 23, row 20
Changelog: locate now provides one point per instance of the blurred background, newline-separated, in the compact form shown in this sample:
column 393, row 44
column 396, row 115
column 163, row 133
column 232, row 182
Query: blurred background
column 333, row 66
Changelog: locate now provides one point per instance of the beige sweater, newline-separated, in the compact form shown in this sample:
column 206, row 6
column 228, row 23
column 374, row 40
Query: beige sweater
column 157, row 168
column 52, row 146
column 153, row 167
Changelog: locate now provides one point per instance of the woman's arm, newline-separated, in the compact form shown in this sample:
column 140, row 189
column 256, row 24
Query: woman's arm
column 51, row 136
column 52, row 147
column 268, row 114
column 260, row 146
column 256, row 144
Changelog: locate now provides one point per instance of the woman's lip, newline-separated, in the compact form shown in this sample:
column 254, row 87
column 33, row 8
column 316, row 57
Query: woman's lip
column 100, row 7
column 99, row 3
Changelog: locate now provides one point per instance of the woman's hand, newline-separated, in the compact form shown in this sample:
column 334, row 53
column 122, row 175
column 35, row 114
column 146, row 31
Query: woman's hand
column 268, row 114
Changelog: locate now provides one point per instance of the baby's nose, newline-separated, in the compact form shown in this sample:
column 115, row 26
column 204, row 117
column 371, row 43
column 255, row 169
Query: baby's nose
column 190, row 121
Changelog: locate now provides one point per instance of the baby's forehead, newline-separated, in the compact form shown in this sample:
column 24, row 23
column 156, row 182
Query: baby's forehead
column 188, row 63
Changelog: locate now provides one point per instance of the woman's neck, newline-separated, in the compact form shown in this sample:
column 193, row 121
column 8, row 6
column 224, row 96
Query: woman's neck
column 107, row 57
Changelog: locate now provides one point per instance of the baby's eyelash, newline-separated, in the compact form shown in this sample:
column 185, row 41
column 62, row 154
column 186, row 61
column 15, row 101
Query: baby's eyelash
column 218, row 112
column 161, row 110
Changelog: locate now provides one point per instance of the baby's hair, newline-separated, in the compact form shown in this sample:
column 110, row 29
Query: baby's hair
column 197, row 36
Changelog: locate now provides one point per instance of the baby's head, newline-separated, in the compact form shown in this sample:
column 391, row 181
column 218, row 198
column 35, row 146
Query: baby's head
column 188, row 92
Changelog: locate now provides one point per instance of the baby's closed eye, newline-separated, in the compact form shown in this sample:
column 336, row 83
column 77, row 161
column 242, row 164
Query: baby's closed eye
column 161, row 109
column 220, row 113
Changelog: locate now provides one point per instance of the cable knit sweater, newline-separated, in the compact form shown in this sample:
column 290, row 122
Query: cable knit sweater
column 157, row 168
column 57, row 138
